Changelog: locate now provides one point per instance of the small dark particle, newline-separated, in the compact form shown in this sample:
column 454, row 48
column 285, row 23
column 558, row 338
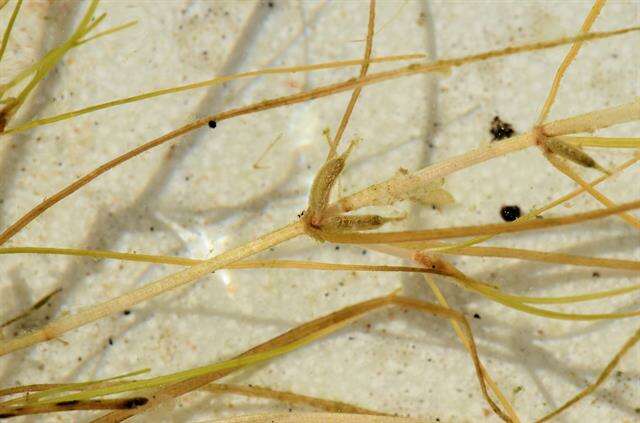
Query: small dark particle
column 212, row 124
column 596, row 274
column 301, row 214
column 135, row 402
column 270, row 4
column 476, row 316
column 110, row 341
column 67, row 403
column 500, row 130
column 152, row 228
column 126, row 312
column 510, row 213
column 337, row 247
column 364, row 252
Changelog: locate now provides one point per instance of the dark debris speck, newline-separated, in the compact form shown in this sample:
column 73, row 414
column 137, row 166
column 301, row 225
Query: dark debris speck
column 500, row 130
column 134, row 402
column 510, row 213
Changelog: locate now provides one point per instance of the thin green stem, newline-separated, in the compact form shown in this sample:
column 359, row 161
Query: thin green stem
column 7, row 31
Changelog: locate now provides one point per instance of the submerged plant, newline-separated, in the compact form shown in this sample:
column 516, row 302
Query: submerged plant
column 196, row 193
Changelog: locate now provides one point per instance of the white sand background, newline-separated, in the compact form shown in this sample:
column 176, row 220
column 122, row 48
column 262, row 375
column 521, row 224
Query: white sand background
column 201, row 195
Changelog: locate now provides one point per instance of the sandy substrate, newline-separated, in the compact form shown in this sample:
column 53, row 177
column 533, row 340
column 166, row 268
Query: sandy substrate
column 214, row 189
